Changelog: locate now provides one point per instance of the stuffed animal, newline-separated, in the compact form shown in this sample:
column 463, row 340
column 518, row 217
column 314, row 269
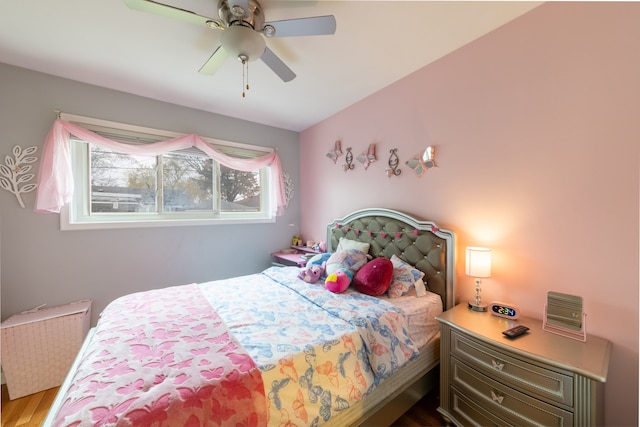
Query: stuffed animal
column 337, row 281
column 312, row 273
column 320, row 259
column 350, row 260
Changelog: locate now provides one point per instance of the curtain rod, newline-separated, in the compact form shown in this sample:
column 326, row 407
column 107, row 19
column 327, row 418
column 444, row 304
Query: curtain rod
column 168, row 134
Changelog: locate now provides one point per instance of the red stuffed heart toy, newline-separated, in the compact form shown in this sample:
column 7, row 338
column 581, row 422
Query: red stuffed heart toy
column 375, row 277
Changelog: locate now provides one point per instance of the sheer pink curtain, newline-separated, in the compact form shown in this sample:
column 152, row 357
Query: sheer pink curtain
column 55, row 179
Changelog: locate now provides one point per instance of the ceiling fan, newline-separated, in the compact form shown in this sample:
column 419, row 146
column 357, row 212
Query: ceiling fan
column 243, row 25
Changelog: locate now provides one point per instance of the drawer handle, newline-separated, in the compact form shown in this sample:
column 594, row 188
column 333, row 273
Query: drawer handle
column 496, row 398
column 497, row 365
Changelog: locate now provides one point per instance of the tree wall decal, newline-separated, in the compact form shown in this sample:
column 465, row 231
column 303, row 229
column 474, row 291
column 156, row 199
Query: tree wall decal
column 14, row 176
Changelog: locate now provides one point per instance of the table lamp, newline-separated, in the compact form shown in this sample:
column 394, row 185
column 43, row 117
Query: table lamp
column 478, row 265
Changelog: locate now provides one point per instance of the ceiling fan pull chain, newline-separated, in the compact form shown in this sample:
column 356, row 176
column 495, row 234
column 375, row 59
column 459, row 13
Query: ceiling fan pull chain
column 247, row 86
column 244, row 65
column 245, row 74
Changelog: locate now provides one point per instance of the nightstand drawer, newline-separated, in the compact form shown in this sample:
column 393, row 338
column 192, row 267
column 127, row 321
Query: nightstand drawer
column 551, row 385
column 470, row 413
column 503, row 402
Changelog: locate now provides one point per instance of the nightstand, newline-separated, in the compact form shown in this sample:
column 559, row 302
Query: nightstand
column 294, row 258
column 535, row 379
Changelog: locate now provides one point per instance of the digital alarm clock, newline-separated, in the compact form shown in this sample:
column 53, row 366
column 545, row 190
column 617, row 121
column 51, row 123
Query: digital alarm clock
column 502, row 309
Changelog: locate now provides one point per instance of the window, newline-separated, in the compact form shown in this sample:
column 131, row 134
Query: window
column 184, row 187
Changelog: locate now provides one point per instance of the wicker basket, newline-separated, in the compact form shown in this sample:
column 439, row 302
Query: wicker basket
column 39, row 347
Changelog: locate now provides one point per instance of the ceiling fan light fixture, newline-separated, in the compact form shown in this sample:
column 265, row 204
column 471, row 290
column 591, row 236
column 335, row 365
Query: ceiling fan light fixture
column 214, row 25
column 269, row 30
column 238, row 11
column 240, row 41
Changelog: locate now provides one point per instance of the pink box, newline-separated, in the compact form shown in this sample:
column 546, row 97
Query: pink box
column 39, row 347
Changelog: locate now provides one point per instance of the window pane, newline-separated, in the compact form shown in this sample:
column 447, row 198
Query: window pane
column 187, row 183
column 121, row 182
column 239, row 191
column 115, row 190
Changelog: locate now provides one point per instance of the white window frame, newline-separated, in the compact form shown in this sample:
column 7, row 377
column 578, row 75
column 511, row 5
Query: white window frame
column 76, row 215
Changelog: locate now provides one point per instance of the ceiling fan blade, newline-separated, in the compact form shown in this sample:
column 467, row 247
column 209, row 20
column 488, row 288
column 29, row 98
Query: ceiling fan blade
column 156, row 8
column 277, row 66
column 214, row 62
column 313, row 26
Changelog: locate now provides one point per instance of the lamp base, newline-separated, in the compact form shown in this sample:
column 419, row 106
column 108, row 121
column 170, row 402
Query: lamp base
column 476, row 307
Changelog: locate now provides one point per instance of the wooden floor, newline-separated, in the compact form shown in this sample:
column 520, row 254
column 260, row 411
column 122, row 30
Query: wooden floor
column 424, row 413
column 31, row 410
column 26, row 411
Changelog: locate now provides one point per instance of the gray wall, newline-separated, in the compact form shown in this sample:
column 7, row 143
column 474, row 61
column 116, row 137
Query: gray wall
column 42, row 265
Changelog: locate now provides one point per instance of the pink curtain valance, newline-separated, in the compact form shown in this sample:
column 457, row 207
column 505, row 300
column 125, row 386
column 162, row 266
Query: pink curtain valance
column 55, row 179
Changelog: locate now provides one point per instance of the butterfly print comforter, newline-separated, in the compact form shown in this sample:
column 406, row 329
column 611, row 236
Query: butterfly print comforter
column 263, row 349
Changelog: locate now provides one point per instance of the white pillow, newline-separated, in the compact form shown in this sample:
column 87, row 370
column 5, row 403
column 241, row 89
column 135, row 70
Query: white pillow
column 405, row 277
column 346, row 244
column 421, row 288
column 351, row 260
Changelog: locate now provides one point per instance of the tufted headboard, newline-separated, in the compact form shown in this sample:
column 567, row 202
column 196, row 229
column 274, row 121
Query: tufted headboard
column 420, row 243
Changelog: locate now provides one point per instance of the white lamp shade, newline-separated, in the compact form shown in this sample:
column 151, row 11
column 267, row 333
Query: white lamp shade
column 478, row 262
column 238, row 40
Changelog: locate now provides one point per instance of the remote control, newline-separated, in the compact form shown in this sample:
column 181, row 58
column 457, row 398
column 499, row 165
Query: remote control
column 515, row 331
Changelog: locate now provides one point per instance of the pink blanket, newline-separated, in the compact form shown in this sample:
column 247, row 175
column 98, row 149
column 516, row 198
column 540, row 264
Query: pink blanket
column 164, row 358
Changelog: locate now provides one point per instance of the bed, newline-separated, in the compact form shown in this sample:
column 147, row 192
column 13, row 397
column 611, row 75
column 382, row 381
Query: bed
column 276, row 351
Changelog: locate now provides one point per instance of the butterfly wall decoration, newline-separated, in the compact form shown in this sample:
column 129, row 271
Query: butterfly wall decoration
column 336, row 152
column 368, row 157
column 421, row 162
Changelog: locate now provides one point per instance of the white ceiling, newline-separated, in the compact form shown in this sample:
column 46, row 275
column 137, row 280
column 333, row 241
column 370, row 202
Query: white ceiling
column 102, row 42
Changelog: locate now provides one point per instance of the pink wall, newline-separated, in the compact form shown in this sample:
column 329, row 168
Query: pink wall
column 536, row 128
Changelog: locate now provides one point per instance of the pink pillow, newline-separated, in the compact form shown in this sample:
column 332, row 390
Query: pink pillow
column 375, row 277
